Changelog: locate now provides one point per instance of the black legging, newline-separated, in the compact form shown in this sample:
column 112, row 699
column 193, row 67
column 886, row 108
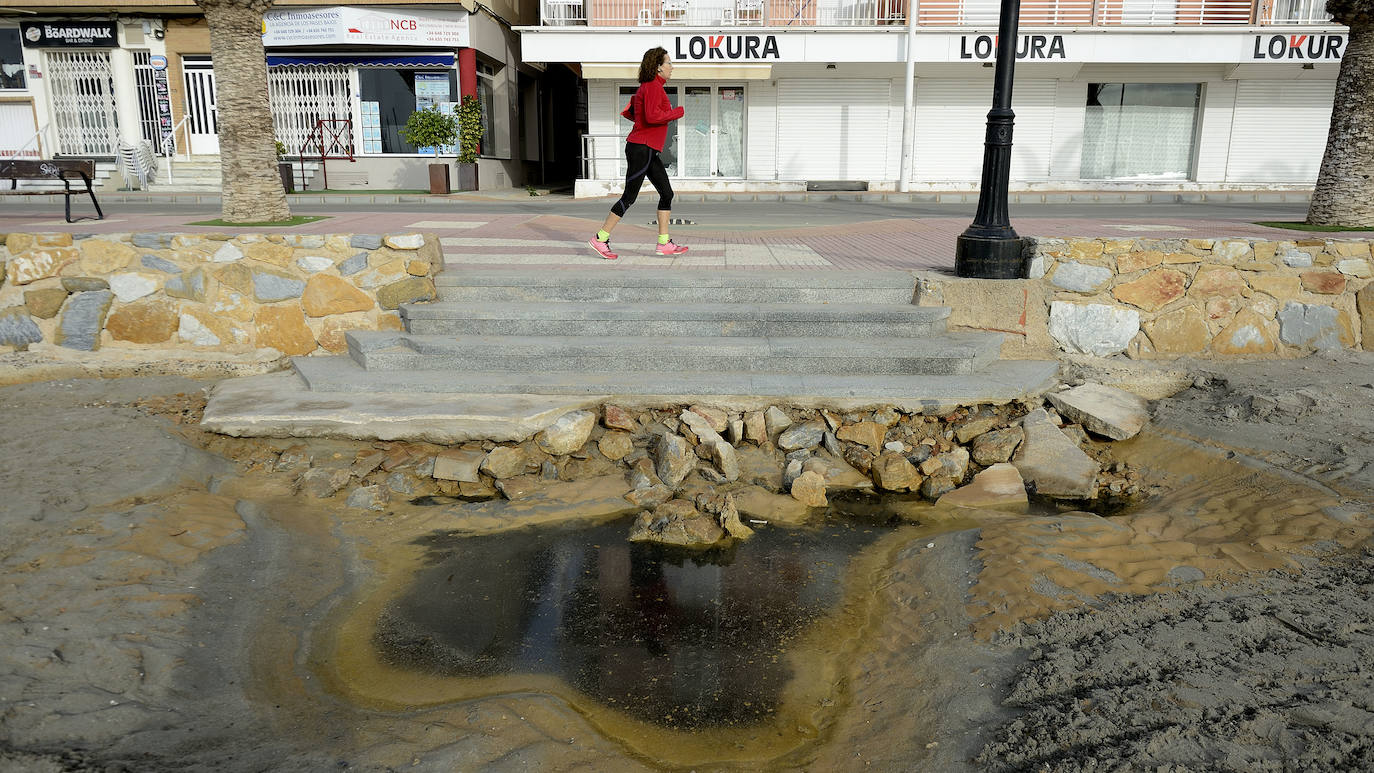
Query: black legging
column 643, row 161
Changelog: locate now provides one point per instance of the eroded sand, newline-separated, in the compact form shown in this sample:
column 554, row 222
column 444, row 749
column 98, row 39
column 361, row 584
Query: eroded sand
column 165, row 608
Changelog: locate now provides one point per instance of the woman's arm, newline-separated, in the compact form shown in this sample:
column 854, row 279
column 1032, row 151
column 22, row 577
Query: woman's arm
column 657, row 109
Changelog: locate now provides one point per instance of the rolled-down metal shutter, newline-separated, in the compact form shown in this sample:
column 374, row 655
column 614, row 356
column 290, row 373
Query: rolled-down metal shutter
column 951, row 117
column 1279, row 130
column 833, row 130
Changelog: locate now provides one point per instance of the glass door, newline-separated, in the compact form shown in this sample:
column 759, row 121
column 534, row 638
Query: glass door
column 713, row 131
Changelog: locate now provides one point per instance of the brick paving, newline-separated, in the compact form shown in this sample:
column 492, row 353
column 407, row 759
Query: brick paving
column 554, row 241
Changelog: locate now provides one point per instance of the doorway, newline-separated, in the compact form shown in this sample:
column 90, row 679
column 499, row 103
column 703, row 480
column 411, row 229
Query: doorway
column 202, row 118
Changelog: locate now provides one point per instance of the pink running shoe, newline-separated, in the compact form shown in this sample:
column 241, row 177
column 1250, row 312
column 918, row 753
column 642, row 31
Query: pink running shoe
column 603, row 249
column 671, row 248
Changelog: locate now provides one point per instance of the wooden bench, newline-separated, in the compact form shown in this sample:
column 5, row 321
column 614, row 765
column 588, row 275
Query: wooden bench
column 64, row 169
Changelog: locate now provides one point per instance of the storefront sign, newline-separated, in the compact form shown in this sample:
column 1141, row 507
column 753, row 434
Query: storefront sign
column 365, row 26
column 745, row 47
column 1315, row 47
column 69, row 34
column 1028, row 47
column 157, row 62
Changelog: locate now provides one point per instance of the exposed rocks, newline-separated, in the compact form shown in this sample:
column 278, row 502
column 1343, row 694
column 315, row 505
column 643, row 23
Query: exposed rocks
column 1107, row 411
column 677, row 522
column 459, row 464
column 675, row 459
column 503, row 462
column 996, row 446
column 809, row 489
column 1051, row 463
column 800, row 436
column 892, row 472
column 999, row 487
column 566, row 435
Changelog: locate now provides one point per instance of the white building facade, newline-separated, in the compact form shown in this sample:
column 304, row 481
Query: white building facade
column 1139, row 94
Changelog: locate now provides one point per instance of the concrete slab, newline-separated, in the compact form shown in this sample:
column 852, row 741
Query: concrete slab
column 280, row 405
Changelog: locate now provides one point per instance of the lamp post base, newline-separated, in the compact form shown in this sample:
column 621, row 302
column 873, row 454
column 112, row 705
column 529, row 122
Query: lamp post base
column 988, row 257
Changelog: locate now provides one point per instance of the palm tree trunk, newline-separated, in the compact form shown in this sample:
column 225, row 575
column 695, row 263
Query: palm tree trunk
column 1345, row 185
column 252, row 189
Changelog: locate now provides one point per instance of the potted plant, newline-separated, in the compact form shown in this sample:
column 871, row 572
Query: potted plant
column 288, row 180
column 469, row 141
column 432, row 128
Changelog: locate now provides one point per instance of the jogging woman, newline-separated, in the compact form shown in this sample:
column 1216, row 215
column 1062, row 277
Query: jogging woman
column 651, row 111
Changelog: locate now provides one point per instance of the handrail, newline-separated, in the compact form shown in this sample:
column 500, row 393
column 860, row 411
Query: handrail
column 591, row 161
column 168, row 147
column 16, row 154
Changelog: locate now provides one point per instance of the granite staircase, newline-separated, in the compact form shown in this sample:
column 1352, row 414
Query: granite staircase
column 799, row 334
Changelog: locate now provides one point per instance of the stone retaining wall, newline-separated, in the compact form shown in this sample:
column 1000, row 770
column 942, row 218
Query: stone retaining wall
column 1163, row 298
column 297, row 294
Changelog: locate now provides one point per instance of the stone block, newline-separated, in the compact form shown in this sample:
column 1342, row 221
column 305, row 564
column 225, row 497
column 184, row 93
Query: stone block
column 353, row 265
column 130, row 287
column 199, row 329
column 997, row 446
column 325, row 295
column 153, row 241
column 1183, row 331
column 1051, row 463
column 83, row 317
column 459, row 464
column 1080, row 277
column 405, row 241
column 1153, row 291
column 146, row 322
column 999, row 487
column 1093, row 328
column 1248, row 333
column 17, row 328
column 1212, row 281
column 409, row 290
column 313, row 264
column 100, row 256
column 84, row 284
column 283, row 328
column 1281, row 286
column 866, row 433
column 1311, row 326
column 227, row 252
column 190, row 285
column 566, row 435
column 268, row 252
column 271, row 287
column 159, row 264
column 892, row 472
column 807, row 435
column 615, row 417
column 365, row 241
column 674, row 459
column 1364, row 302
column 45, row 303
column 503, row 462
column 1356, row 267
column 1323, row 282
column 1138, row 261
column 1104, row 410
column 34, row 265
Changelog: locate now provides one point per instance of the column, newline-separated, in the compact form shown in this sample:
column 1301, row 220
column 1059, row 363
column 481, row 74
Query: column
column 126, row 96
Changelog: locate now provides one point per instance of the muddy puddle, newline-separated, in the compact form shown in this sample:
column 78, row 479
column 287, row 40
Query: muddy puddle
column 787, row 647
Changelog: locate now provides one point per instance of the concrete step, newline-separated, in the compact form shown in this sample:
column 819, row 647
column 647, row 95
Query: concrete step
column 998, row 382
column 834, row 320
column 677, row 287
column 945, row 353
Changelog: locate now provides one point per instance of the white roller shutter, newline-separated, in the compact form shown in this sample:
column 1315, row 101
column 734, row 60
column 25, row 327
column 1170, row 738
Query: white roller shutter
column 833, row 129
column 1032, row 141
column 1279, row 130
column 951, row 121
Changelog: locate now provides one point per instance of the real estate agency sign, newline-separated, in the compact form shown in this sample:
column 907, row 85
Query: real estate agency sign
column 361, row 25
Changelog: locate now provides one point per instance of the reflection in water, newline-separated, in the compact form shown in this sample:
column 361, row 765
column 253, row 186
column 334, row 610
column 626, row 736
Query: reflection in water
column 687, row 640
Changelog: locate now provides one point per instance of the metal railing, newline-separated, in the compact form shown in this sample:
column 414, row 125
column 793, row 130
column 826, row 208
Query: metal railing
column 603, row 156
column 169, row 144
column 931, row 13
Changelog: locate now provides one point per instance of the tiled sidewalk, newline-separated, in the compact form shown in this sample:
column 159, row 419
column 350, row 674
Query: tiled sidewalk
column 553, row 240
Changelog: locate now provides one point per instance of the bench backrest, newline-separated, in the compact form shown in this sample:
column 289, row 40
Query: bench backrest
column 24, row 169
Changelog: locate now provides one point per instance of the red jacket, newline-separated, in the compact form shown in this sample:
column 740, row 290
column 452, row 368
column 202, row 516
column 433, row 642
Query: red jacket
column 651, row 111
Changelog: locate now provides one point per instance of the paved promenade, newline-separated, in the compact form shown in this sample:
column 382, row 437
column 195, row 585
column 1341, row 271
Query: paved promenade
column 511, row 229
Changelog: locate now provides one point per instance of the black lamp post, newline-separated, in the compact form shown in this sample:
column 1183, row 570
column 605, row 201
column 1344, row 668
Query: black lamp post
column 990, row 248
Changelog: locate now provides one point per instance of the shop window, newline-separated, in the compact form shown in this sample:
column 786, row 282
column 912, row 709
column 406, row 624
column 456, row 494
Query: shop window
column 1140, row 131
column 486, row 94
column 390, row 96
column 11, row 60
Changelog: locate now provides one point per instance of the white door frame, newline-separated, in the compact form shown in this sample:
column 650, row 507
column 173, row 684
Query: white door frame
column 202, row 121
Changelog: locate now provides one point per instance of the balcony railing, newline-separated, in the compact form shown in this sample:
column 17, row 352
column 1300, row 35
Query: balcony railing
column 929, row 13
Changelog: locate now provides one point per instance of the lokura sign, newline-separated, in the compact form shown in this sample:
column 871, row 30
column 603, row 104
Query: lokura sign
column 365, row 26
column 1306, row 47
column 745, row 47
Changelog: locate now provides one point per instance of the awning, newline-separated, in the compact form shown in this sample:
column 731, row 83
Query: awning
column 361, row 60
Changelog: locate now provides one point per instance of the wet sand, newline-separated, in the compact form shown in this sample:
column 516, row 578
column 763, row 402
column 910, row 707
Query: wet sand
column 170, row 604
